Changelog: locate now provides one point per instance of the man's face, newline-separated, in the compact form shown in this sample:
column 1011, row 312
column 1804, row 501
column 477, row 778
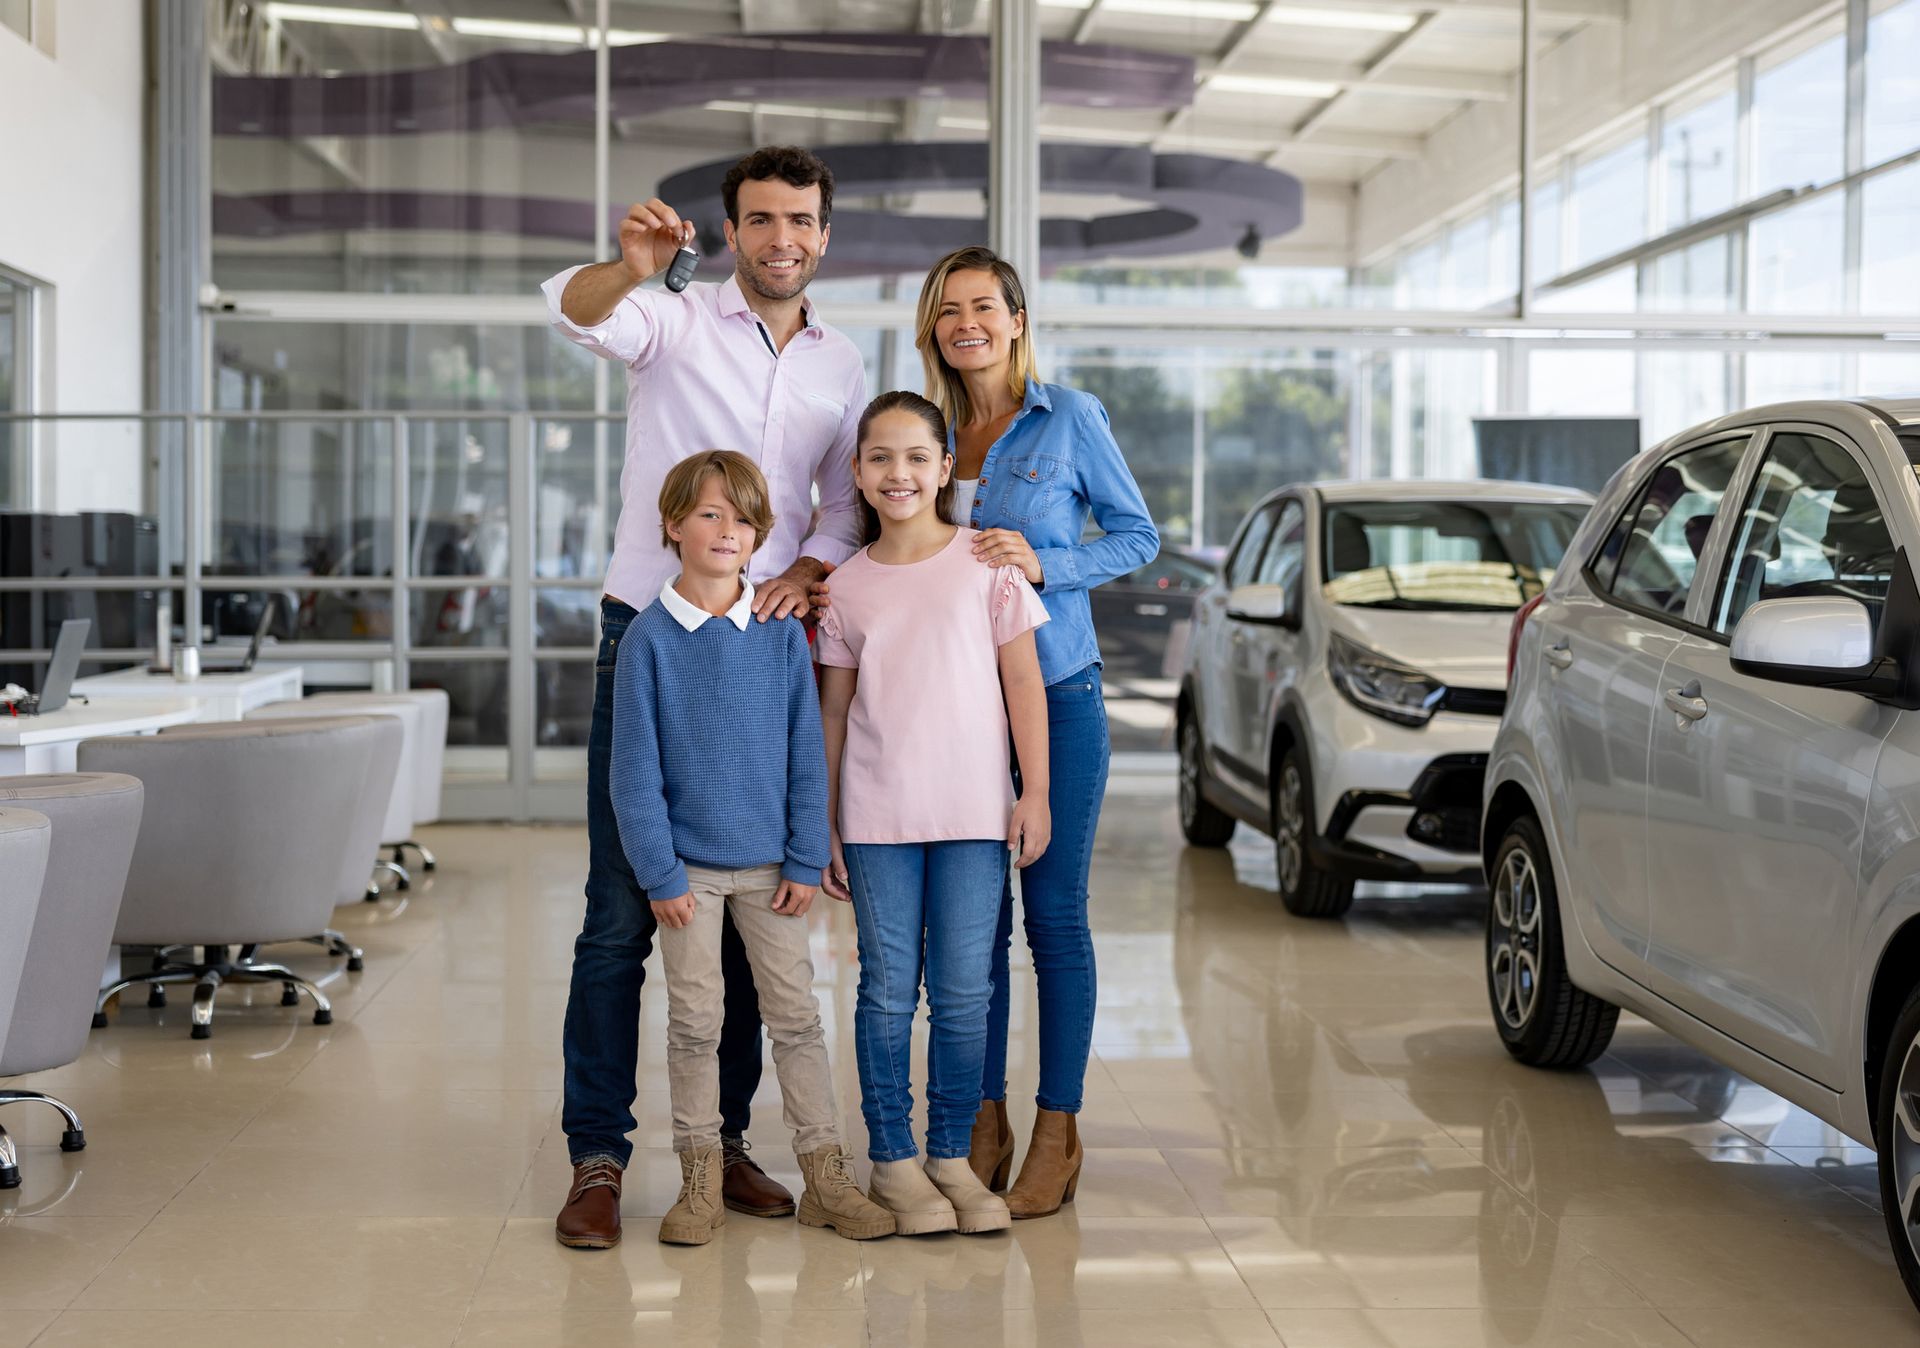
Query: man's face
column 779, row 240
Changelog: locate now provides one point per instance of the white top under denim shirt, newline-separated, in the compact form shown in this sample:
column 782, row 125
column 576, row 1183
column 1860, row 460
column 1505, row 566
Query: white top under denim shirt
column 1055, row 467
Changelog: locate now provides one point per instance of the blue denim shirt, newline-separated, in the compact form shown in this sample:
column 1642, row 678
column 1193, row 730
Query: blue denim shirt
column 1055, row 465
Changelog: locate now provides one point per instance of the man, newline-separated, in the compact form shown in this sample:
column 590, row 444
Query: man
column 744, row 366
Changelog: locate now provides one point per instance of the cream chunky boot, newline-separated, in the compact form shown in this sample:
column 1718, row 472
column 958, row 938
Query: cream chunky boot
column 833, row 1199
column 700, row 1212
column 975, row 1207
column 918, row 1208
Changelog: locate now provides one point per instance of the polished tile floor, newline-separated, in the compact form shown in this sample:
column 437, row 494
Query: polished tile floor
column 1298, row 1133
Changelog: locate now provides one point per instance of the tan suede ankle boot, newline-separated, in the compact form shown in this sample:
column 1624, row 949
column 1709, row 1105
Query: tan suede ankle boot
column 700, row 1212
column 991, row 1151
column 1051, row 1171
column 833, row 1199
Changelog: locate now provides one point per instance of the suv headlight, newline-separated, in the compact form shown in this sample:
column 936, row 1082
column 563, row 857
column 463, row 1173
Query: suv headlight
column 1386, row 688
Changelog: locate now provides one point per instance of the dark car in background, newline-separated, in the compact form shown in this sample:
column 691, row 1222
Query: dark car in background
column 1139, row 615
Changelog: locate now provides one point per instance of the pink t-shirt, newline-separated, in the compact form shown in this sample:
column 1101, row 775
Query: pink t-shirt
column 926, row 756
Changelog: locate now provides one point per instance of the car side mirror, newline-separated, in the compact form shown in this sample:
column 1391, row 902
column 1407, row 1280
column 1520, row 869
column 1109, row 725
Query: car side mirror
column 1264, row 604
column 1816, row 641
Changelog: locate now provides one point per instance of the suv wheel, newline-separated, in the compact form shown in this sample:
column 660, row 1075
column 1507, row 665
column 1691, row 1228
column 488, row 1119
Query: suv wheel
column 1204, row 824
column 1896, row 1123
column 1306, row 888
column 1543, row 1019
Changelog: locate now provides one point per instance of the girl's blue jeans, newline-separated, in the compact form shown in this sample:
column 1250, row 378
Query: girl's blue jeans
column 923, row 909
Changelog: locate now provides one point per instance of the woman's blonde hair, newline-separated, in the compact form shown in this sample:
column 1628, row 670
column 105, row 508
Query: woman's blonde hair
column 944, row 384
column 741, row 482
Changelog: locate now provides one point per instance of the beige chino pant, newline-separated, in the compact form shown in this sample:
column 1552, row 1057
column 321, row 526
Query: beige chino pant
column 777, row 949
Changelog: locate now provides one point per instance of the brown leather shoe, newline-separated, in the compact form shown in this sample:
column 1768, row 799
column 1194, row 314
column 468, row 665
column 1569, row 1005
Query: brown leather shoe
column 749, row 1190
column 1050, row 1174
column 991, row 1151
column 591, row 1218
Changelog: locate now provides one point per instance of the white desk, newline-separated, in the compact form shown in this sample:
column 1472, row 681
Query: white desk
column 216, row 696
column 50, row 743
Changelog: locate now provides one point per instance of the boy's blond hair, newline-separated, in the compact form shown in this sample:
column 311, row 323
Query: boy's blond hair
column 741, row 481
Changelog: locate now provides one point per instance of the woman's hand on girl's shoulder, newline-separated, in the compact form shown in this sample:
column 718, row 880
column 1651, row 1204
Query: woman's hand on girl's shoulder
column 1008, row 547
column 1030, row 830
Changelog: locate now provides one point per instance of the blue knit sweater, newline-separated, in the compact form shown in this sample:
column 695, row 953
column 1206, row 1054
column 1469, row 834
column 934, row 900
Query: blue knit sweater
column 718, row 757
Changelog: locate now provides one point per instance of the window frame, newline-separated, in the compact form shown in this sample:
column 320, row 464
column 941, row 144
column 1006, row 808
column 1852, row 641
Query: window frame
column 1755, row 438
column 1270, row 506
column 1296, row 592
column 1749, row 480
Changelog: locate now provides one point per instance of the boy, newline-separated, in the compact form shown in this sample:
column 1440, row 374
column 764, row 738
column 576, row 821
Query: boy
column 720, row 788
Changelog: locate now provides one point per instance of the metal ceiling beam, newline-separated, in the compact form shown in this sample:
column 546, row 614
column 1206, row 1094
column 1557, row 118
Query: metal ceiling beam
column 1229, row 52
column 1396, row 79
column 1385, row 57
column 436, row 27
column 1083, row 27
column 1582, row 11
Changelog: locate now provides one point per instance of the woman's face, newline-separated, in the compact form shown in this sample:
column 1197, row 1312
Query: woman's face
column 900, row 469
column 974, row 328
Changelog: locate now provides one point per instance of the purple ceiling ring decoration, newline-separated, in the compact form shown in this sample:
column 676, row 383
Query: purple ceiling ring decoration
column 1202, row 203
column 512, row 89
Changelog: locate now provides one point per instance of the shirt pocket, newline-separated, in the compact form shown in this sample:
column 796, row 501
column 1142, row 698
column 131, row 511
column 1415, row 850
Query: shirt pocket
column 1034, row 482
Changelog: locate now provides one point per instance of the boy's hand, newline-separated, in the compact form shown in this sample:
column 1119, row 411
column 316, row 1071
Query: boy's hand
column 834, row 878
column 1030, row 830
column 674, row 912
column 794, row 898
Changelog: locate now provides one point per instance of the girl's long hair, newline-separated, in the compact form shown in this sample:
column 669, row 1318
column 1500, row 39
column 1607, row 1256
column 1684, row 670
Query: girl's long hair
column 904, row 400
column 944, row 384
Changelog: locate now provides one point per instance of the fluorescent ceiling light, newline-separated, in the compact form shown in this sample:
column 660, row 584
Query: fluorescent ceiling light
column 801, row 110
column 340, row 14
column 1108, row 134
column 1369, row 20
column 565, row 34
column 1231, row 11
column 1279, row 88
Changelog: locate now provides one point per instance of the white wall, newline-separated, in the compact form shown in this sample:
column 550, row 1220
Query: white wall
column 72, row 216
column 1591, row 79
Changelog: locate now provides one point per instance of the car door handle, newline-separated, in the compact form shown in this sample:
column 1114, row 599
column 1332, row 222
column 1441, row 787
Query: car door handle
column 1687, row 702
column 1560, row 654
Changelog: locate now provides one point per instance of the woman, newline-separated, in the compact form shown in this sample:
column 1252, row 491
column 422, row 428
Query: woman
column 1032, row 462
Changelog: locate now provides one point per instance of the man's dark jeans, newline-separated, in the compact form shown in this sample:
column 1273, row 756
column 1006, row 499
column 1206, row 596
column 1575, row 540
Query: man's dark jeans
column 602, row 1038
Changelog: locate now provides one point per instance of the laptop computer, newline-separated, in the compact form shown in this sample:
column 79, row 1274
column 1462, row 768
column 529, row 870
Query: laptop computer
column 245, row 664
column 61, row 669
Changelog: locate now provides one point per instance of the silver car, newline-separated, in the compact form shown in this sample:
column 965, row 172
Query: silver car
column 1703, row 802
column 1347, row 670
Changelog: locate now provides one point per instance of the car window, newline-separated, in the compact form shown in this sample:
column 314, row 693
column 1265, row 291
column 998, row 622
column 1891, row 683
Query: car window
column 1287, row 554
column 1812, row 526
column 1471, row 556
column 1659, row 539
column 1246, row 557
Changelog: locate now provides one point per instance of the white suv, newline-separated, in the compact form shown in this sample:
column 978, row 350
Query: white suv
column 1704, row 801
column 1347, row 670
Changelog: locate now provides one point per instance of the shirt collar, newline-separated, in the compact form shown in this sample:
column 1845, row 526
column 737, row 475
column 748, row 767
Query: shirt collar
column 692, row 617
column 1037, row 396
column 733, row 302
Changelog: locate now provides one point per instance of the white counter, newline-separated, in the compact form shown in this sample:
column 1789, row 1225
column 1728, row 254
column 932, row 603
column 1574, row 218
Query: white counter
column 50, row 743
column 217, row 696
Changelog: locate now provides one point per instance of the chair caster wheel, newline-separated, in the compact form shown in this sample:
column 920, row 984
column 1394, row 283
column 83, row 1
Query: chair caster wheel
column 373, row 893
column 289, row 997
column 323, row 1017
column 74, row 1139
column 404, row 885
column 430, row 865
column 355, row 964
column 203, row 1032
column 157, row 998
column 99, row 1020
column 9, row 1177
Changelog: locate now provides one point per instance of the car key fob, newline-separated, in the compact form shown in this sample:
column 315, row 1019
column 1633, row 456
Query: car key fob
column 685, row 263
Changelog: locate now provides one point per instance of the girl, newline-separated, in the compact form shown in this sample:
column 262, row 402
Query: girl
column 1034, row 462
column 927, row 659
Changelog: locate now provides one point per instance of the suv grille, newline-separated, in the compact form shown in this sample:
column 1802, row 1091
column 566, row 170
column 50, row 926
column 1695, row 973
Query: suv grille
column 1475, row 701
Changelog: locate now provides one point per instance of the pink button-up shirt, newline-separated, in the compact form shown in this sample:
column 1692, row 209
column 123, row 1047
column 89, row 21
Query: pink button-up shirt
column 702, row 374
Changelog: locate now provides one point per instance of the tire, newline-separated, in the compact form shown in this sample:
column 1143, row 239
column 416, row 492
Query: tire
column 1896, row 1125
column 1203, row 823
column 1543, row 1019
column 1306, row 888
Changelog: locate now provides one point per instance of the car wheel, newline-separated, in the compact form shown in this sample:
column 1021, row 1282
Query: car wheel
column 1896, row 1119
column 1204, row 824
column 1306, row 888
column 1543, row 1019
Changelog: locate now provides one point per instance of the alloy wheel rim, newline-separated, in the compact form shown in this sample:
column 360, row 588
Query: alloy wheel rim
column 1906, row 1147
column 1289, row 828
column 1189, row 772
column 1513, row 939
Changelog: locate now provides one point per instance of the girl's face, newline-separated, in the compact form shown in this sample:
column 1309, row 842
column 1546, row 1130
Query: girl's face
column 900, row 469
column 974, row 328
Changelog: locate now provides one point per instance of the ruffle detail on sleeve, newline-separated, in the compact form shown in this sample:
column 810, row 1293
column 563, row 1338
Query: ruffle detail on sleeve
column 1006, row 588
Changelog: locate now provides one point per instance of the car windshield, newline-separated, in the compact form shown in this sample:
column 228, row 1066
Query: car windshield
column 1479, row 556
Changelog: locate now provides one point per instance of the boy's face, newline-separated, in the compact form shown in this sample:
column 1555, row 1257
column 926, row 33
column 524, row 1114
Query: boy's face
column 716, row 539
